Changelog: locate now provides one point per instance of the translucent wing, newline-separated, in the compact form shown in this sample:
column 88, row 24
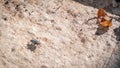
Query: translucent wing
column 106, row 23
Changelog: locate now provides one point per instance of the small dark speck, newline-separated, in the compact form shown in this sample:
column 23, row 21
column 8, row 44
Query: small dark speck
column 66, row 18
column 52, row 21
column 6, row 2
column 13, row 49
column 17, row 7
column 29, row 14
column 26, row 10
column 80, row 29
column 34, row 41
column 5, row 19
column 90, row 56
column 108, row 44
column 83, row 40
column 31, row 47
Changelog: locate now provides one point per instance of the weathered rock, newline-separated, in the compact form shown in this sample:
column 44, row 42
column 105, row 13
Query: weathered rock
column 67, row 38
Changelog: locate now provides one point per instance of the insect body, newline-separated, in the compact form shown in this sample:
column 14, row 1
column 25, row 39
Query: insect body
column 103, row 18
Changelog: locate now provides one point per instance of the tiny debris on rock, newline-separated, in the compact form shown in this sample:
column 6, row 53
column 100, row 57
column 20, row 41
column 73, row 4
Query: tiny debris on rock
column 34, row 41
column 32, row 45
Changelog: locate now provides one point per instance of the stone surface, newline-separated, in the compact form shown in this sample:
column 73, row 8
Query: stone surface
column 67, row 39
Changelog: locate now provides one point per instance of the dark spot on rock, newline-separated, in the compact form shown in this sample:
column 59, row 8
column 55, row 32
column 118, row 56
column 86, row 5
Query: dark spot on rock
column 80, row 29
column 90, row 56
column 35, row 42
column 52, row 21
column 68, row 11
column 5, row 19
column 29, row 14
column 13, row 49
column 31, row 47
column 17, row 7
column 66, row 18
column 44, row 66
column 108, row 44
column 7, row 2
column 94, row 38
column 50, row 12
column 26, row 10
column 83, row 40
column 58, row 28
column 45, row 19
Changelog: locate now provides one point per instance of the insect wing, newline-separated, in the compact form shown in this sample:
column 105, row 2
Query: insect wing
column 106, row 23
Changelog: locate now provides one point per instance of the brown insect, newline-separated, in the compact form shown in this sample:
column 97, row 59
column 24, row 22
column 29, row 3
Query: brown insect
column 103, row 18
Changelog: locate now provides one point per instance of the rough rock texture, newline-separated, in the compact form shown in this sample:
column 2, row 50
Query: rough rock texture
column 68, row 34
